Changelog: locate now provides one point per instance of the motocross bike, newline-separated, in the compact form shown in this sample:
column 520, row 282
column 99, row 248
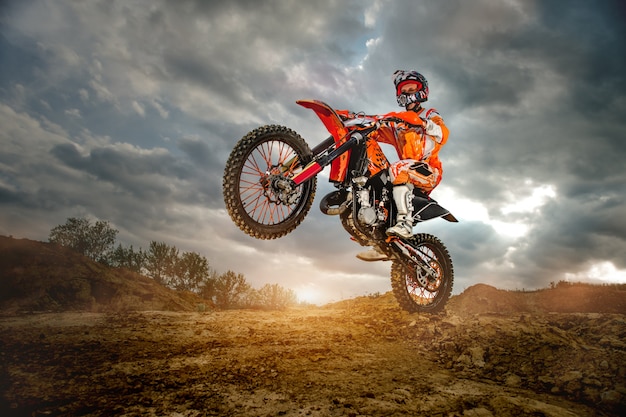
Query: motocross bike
column 270, row 181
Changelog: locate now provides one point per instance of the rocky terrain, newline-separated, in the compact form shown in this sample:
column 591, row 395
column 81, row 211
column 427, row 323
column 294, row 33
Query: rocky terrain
column 554, row 352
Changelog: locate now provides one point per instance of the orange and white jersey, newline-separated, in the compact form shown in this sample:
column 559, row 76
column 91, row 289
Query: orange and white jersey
column 417, row 137
column 413, row 137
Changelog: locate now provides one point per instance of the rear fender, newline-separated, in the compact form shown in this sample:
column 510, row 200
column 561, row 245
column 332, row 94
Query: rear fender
column 425, row 208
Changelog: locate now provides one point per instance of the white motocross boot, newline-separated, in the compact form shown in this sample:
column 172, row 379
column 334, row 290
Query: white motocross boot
column 402, row 195
column 372, row 255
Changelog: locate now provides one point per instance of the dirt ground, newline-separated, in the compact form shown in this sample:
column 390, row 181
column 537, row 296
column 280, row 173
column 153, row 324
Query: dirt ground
column 363, row 357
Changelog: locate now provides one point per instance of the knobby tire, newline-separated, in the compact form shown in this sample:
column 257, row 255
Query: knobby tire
column 410, row 294
column 250, row 204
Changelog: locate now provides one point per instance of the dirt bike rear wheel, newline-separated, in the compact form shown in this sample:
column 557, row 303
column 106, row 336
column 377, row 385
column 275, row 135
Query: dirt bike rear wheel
column 255, row 169
column 409, row 289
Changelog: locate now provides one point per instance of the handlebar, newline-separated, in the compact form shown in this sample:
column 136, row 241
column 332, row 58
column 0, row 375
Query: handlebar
column 360, row 121
column 364, row 120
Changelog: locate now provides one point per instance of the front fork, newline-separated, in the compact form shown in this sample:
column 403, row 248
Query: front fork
column 322, row 159
column 412, row 259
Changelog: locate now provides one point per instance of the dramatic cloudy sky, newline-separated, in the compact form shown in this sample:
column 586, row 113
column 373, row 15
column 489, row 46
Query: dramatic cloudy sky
column 126, row 111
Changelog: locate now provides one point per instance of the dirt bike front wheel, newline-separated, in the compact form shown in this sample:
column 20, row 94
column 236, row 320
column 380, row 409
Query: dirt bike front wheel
column 418, row 291
column 260, row 197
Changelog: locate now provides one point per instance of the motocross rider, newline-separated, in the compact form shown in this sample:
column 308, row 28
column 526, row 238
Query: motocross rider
column 417, row 134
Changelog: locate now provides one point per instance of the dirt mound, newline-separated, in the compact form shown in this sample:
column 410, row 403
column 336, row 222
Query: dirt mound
column 563, row 298
column 37, row 276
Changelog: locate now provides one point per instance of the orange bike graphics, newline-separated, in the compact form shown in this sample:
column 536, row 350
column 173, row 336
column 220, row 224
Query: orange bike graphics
column 334, row 125
column 377, row 159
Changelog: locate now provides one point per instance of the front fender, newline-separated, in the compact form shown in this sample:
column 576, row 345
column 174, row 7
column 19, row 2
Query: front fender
column 329, row 118
column 339, row 132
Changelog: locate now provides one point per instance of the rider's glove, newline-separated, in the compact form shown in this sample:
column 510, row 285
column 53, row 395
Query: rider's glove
column 346, row 114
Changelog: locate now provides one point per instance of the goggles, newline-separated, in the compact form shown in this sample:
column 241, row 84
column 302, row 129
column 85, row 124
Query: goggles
column 404, row 99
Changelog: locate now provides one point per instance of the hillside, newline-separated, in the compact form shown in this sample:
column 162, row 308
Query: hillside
column 563, row 298
column 38, row 276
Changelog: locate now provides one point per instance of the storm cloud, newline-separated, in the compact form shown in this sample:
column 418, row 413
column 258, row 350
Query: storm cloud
column 126, row 112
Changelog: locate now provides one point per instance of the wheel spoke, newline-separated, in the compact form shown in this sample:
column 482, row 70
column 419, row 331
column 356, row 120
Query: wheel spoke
column 420, row 294
column 258, row 200
column 426, row 287
column 258, row 190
